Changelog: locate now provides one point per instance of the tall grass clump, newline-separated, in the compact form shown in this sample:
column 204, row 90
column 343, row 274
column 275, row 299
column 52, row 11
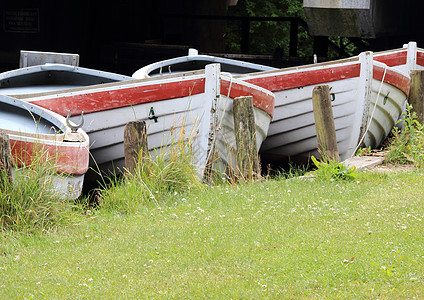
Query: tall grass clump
column 29, row 201
column 169, row 171
column 407, row 145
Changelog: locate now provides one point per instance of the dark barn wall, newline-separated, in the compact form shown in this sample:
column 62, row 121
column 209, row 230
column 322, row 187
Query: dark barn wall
column 125, row 35
column 120, row 36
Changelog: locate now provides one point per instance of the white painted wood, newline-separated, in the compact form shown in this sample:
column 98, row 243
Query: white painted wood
column 192, row 52
column 411, row 58
column 212, row 92
column 364, row 89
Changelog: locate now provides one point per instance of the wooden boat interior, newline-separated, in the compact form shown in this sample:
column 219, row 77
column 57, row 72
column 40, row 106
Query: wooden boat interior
column 53, row 77
column 28, row 120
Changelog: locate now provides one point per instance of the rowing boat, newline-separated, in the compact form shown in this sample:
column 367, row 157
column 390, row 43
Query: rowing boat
column 195, row 101
column 36, row 133
column 367, row 99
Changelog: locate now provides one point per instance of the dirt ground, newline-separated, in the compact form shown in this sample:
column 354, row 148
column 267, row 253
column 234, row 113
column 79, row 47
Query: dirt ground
column 386, row 167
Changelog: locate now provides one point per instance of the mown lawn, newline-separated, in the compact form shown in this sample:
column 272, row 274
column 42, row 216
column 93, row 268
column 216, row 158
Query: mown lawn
column 276, row 239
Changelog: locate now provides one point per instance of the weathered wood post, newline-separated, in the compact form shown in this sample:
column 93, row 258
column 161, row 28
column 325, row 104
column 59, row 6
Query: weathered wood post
column 245, row 132
column 5, row 158
column 416, row 93
column 135, row 144
column 324, row 123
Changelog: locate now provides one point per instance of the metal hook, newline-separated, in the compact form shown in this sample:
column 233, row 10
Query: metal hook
column 74, row 128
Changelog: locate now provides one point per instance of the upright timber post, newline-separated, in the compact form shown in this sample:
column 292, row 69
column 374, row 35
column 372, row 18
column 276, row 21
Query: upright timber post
column 244, row 125
column 5, row 158
column 416, row 93
column 324, row 123
column 135, row 144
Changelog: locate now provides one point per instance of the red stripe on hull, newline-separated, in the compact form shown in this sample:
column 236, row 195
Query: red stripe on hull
column 261, row 100
column 68, row 160
column 112, row 99
column 287, row 81
column 420, row 58
column 393, row 59
column 393, row 78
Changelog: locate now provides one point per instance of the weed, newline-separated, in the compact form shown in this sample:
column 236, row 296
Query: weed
column 363, row 151
column 407, row 145
column 333, row 170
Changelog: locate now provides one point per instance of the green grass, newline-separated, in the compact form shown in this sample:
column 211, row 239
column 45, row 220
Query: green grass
column 273, row 239
column 29, row 202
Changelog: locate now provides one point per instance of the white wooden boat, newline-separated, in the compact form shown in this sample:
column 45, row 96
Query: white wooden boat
column 34, row 132
column 166, row 103
column 193, row 61
column 368, row 97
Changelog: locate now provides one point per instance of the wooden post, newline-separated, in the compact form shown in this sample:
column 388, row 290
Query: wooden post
column 245, row 132
column 324, row 123
column 5, row 158
column 135, row 144
column 416, row 93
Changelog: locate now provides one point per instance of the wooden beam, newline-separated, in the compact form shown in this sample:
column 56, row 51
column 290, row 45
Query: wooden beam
column 5, row 158
column 416, row 93
column 324, row 123
column 135, row 144
column 244, row 125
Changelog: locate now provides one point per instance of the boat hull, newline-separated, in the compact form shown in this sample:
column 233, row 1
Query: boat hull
column 169, row 104
column 36, row 134
column 292, row 133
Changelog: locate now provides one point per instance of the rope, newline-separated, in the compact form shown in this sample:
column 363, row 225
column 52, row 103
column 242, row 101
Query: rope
column 223, row 113
column 372, row 115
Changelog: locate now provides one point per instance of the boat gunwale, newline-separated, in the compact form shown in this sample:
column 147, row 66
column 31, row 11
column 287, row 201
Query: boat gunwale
column 266, row 104
column 147, row 70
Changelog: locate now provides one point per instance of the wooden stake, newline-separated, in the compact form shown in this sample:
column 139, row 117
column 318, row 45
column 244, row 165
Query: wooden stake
column 244, row 125
column 5, row 157
column 135, row 144
column 324, row 123
column 416, row 93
